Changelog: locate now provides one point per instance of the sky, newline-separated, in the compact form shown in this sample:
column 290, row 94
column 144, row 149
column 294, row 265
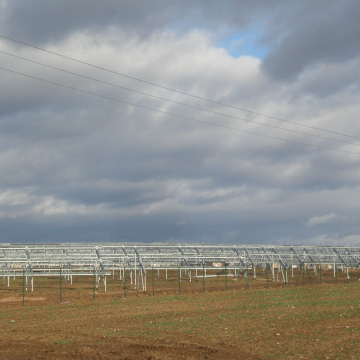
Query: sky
column 241, row 126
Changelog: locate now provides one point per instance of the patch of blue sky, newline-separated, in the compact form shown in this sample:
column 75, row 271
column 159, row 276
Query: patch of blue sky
column 244, row 43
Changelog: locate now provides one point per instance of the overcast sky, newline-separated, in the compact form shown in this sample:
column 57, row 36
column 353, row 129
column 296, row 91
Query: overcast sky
column 77, row 167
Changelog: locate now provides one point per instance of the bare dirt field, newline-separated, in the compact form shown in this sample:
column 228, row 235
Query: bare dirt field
column 304, row 320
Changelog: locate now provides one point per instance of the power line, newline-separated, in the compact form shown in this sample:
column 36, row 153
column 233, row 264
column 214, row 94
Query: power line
column 176, row 115
column 177, row 102
column 177, row 91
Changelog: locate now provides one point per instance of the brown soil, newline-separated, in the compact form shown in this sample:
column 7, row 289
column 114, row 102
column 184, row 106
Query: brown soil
column 283, row 322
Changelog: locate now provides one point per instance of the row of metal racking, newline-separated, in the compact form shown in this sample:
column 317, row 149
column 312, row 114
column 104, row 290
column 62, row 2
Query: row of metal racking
column 102, row 259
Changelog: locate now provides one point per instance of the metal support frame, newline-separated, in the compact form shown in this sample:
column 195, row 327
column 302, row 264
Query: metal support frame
column 79, row 259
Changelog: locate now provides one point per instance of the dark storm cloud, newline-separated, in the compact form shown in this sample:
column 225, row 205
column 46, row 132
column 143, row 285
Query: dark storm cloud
column 44, row 21
column 297, row 34
column 305, row 33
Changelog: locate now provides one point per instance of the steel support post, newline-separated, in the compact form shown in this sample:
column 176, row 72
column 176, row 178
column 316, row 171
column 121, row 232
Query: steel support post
column 138, row 279
column 135, row 271
column 179, row 280
column 94, row 285
column 124, row 282
column 23, row 301
column 60, row 287
column 303, row 274
column 335, row 269
column 282, row 273
column 203, row 279
column 145, row 281
column 300, row 271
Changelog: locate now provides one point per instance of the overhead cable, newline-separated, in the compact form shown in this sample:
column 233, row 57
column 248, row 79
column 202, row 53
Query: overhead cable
column 177, row 91
column 176, row 115
column 177, row 102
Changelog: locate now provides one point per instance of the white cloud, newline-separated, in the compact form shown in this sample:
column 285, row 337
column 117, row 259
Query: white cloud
column 129, row 173
column 316, row 220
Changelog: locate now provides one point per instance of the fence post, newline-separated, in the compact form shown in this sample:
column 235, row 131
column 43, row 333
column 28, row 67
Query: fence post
column 179, row 280
column 153, row 284
column 225, row 277
column 320, row 273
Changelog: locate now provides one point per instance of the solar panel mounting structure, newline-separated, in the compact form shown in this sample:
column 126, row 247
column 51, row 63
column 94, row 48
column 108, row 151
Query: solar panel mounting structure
column 103, row 259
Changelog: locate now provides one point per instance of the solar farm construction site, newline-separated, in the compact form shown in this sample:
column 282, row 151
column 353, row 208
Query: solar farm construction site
column 179, row 301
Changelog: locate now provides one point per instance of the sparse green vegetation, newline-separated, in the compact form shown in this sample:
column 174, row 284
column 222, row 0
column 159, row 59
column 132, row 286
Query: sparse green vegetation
column 320, row 322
